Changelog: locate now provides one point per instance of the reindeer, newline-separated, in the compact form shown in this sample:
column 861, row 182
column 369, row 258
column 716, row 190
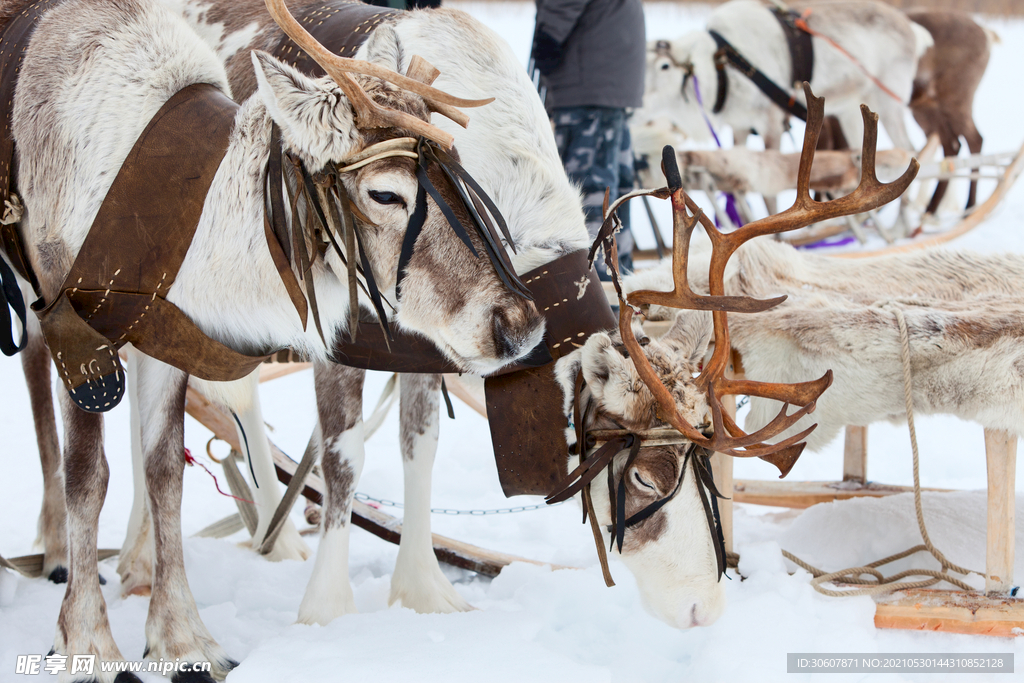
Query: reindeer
column 879, row 37
column 947, row 77
column 510, row 151
column 643, row 386
column 81, row 72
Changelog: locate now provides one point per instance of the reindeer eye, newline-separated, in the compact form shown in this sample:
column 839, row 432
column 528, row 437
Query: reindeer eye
column 664, row 67
column 640, row 480
column 386, row 197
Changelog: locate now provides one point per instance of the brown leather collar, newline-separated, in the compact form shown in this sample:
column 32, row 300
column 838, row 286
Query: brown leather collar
column 114, row 292
column 339, row 25
column 524, row 407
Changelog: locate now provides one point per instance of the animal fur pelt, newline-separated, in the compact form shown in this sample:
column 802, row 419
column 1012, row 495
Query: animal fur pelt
column 963, row 310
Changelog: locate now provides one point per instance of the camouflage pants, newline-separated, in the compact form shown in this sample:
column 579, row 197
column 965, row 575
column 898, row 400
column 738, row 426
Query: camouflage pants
column 597, row 154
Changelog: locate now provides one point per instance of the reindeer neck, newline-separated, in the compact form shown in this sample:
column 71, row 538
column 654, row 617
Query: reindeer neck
column 228, row 283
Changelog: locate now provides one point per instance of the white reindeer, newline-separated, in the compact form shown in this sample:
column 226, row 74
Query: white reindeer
column 509, row 149
column 80, row 75
column 879, row 37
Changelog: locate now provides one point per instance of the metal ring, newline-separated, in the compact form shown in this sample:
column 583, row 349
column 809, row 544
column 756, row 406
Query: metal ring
column 209, row 452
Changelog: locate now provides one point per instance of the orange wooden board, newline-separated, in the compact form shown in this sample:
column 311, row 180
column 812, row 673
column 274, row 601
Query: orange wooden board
column 804, row 494
column 951, row 612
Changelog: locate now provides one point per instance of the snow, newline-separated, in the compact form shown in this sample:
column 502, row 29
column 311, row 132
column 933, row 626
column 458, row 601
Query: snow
column 531, row 622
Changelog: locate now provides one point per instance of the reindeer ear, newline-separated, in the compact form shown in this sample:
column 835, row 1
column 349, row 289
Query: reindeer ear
column 314, row 115
column 613, row 380
column 384, row 48
column 690, row 335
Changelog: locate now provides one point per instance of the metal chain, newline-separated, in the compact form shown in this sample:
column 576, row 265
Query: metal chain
column 362, row 497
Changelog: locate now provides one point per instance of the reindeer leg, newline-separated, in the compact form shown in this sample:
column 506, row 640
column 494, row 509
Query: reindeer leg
column 135, row 566
column 52, row 536
column 974, row 141
column 772, row 137
column 82, row 627
column 950, row 148
column 418, row 581
column 266, row 489
column 174, row 631
column 339, row 392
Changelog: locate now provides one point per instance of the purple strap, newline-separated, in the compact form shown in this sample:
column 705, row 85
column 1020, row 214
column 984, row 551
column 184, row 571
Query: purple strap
column 730, row 200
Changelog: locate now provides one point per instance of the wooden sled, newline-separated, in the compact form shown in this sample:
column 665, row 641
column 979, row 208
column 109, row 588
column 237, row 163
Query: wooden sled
column 1004, row 168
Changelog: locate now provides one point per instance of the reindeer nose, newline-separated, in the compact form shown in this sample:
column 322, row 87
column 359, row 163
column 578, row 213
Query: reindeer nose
column 516, row 328
column 699, row 614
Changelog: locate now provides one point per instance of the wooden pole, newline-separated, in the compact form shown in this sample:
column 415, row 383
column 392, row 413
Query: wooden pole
column 855, row 454
column 1001, row 459
column 721, row 466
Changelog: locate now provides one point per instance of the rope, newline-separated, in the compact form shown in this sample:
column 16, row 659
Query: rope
column 801, row 24
column 878, row 583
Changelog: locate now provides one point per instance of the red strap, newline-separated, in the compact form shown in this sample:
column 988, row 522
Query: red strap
column 192, row 461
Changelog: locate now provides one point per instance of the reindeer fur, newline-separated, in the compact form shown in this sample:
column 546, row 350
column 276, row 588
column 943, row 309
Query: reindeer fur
column 963, row 312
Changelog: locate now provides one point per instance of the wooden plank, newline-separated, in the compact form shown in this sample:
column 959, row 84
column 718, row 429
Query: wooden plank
column 31, row 566
column 456, row 553
column 951, row 612
column 855, row 454
column 269, row 371
column 803, row 494
column 722, row 464
column 1001, row 459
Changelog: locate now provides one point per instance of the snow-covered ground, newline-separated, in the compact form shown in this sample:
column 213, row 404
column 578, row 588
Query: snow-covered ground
column 533, row 623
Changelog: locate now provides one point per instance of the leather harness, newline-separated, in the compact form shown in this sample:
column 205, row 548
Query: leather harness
column 801, row 52
column 112, row 296
column 801, row 48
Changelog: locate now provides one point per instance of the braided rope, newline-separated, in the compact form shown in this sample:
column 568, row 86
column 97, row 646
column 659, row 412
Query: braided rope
column 879, row 584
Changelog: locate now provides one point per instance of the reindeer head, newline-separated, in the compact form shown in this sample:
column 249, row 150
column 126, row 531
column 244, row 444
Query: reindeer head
column 426, row 233
column 670, row 89
column 658, row 506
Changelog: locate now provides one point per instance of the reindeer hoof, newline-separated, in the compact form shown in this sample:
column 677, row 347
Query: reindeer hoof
column 142, row 591
column 127, row 677
column 59, row 575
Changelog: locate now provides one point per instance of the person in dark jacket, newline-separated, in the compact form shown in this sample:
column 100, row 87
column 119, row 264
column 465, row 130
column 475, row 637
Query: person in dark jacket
column 591, row 55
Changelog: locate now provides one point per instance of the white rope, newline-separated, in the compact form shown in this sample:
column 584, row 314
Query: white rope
column 879, row 584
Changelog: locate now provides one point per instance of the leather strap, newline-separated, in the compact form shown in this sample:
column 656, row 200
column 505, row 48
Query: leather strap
column 727, row 54
column 525, row 406
column 801, row 48
column 114, row 292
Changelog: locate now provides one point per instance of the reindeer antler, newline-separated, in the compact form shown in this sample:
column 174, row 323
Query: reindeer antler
column 728, row 437
column 368, row 113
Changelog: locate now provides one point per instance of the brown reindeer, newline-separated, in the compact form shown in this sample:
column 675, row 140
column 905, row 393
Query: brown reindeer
column 942, row 100
column 947, row 78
